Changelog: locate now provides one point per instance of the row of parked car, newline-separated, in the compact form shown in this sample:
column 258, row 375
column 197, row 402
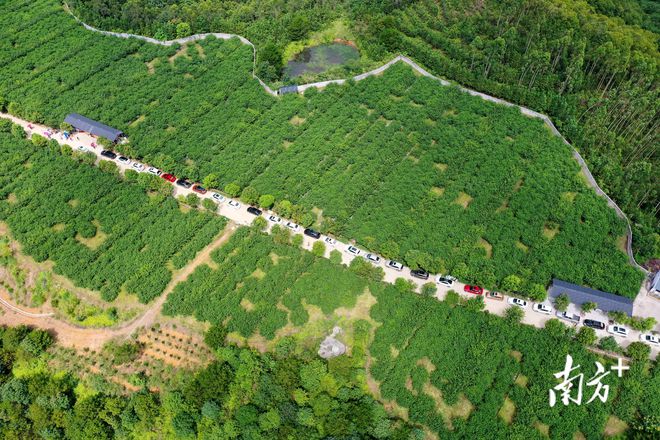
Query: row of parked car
column 445, row 280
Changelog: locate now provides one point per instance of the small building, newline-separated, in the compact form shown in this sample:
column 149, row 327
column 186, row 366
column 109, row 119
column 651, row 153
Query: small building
column 654, row 288
column 607, row 302
column 287, row 89
column 82, row 123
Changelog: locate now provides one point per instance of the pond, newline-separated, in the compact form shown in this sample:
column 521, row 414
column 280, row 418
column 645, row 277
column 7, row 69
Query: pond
column 317, row 59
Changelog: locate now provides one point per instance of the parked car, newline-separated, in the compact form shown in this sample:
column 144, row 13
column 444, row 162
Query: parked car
column 312, row 233
column 169, row 177
column 476, row 290
column 218, row 197
column 123, row 159
column 373, row 258
column 420, row 273
column 199, row 188
column 274, row 219
column 137, row 166
column 154, row 171
column 517, row 302
column 254, row 211
column 395, row 265
column 291, row 225
column 650, row 339
column 331, row 241
column 568, row 316
column 542, row 308
column 445, row 280
column 353, row 250
column 497, row 296
column 594, row 324
column 234, row 204
column 109, row 154
column 183, row 183
column 617, row 330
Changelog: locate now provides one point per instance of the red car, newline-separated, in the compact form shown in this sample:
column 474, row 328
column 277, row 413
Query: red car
column 199, row 188
column 169, row 177
column 473, row 289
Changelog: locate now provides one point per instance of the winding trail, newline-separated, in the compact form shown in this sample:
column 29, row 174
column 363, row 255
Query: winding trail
column 74, row 336
column 416, row 67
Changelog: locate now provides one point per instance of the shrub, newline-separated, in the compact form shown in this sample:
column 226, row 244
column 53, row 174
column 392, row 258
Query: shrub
column 109, row 167
column 266, row 201
column 453, row 298
column 638, row 351
column 210, row 205
column 609, row 343
column 38, row 140
column 250, row 195
column 335, row 256
column 429, row 289
column 514, row 314
column 297, row 240
column 192, row 199
column 318, row 248
column 404, row 286
column 259, row 223
column 215, row 336
column 586, row 336
column 562, row 302
column 588, row 307
column 232, row 189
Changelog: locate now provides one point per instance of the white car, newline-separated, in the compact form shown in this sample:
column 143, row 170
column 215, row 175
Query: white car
column 292, row 226
column 373, row 258
column 81, row 148
column 650, row 339
column 123, row 159
column 395, row 265
column 137, row 166
column 617, row 330
column 234, row 204
column 274, row 219
column 445, row 280
column 218, row 197
column 542, row 308
column 154, row 171
column 517, row 302
column 353, row 250
column 331, row 241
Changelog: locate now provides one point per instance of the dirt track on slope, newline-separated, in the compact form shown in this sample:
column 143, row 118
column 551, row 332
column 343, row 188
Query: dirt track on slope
column 93, row 338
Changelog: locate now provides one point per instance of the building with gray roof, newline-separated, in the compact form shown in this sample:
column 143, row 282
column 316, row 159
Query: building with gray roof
column 82, row 123
column 607, row 302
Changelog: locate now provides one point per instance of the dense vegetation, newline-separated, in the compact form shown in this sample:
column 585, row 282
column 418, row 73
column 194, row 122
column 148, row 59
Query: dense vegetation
column 240, row 395
column 587, row 63
column 450, row 367
column 459, row 184
column 102, row 233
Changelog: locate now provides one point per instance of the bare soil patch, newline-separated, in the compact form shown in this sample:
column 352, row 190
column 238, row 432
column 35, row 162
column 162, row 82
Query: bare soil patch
column 426, row 364
column 11, row 198
column 507, row 411
column 522, row 380
column 247, row 305
column 614, row 427
column 542, row 428
column 182, row 52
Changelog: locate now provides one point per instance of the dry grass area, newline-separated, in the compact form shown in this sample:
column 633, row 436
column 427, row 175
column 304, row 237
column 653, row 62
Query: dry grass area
column 520, row 245
column 614, row 427
column 426, row 364
column 151, row 66
column 507, row 411
column 441, row 166
column 258, row 274
column 522, row 380
column 394, row 352
column 550, row 230
column 182, row 52
column 247, row 305
column 463, row 199
column 542, row 428
column 74, row 203
column 450, row 112
column 385, row 121
column 579, row 436
column 621, row 243
column 518, row 185
column 200, row 51
column 286, row 144
column 461, row 409
column 95, row 241
column 58, row 227
column 274, row 258
column 503, row 207
column 430, row 122
column 437, row 191
column 11, row 198
column 516, row 355
column 487, row 247
column 137, row 121
column 569, row 196
column 297, row 120
column 175, row 347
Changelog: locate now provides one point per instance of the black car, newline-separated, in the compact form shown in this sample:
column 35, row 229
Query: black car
column 183, row 183
column 312, row 233
column 420, row 273
column 109, row 154
column 594, row 324
column 253, row 210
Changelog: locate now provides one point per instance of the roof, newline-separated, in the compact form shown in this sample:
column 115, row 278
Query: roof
column 607, row 302
column 91, row 126
column 655, row 284
column 287, row 89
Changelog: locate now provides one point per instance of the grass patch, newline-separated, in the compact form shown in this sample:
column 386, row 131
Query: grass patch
column 516, row 355
column 487, row 247
column 58, row 227
column 297, row 120
column 520, row 245
column 463, row 199
column 507, row 411
column 97, row 240
column 614, row 427
column 437, row 191
column 542, row 428
column 550, row 230
column 441, row 166
column 521, row 380
column 258, row 274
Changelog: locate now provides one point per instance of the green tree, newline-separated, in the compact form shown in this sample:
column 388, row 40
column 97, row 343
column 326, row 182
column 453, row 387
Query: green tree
column 586, row 336
column 514, row 314
column 638, row 351
column 429, row 289
column 260, row 223
column 209, row 205
column 250, row 195
column 192, row 199
column 335, row 256
column 183, row 30
column 318, row 248
column 266, row 201
column 562, row 302
column 215, row 336
column 512, row 283
column 211, row 181
column 588, row 306
column 233, row 189
column 452, row 298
